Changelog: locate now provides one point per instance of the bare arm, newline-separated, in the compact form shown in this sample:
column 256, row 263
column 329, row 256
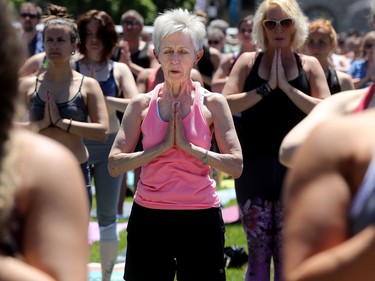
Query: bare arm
column 336, row 105
column 127, row 86
column 122, row 157
column 232, row 91
column 318, row 194
column 53, row 201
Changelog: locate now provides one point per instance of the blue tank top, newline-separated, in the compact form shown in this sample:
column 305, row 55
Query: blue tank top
column 362, row 211
column 74, row 108
column 263, row 126
column 109, row 87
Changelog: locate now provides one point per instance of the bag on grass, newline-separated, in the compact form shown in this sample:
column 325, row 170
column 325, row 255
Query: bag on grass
column 235, row 256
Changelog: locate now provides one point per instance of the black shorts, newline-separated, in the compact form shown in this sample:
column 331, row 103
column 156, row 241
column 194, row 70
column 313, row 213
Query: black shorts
column 162, row 243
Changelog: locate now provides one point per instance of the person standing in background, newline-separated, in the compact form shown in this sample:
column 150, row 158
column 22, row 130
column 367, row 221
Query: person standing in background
column 132, row 49
column 30, row 14
column 274, row 90
column 60, row 101
column 320, row 43
column 98, row 38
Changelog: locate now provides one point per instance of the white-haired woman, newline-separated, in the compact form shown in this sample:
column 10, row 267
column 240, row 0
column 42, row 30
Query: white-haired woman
column 175, row 224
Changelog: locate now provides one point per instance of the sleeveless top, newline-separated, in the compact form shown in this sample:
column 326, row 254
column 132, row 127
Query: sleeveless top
column 109, row 87
column 333, row 81
column 176, row 180
column 364, row 103
column 263, row 126
column 362, row 212
column 74, row 108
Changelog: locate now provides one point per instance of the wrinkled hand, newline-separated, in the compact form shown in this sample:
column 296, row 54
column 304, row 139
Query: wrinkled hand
column 175, row 135
column 180, row 139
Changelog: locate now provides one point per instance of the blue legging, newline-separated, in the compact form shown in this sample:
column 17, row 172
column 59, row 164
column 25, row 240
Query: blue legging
column 107, row 188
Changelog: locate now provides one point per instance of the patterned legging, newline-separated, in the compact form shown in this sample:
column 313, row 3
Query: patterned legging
column 262, row 221
column 258, row 192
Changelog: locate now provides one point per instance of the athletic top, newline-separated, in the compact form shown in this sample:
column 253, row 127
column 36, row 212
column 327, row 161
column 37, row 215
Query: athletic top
column 262, row 127
column 176, row 180
column 109, row 87
column 333, row 81
column 362, row 212
column 74, row 108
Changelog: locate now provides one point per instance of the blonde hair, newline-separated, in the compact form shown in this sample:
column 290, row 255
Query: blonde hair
column 289, row 7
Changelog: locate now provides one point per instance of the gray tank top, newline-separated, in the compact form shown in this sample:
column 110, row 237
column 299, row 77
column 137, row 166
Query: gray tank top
column 362, row 211
column 74, row 108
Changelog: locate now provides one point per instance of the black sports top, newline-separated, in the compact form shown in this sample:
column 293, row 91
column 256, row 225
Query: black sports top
column 263, row 126
column 74, row 108
column 333, row 81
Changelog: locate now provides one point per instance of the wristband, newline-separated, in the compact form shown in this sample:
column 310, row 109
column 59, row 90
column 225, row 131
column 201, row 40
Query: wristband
column 57, row 121
column 205, row 158
column 70, row 124
column 263, row 90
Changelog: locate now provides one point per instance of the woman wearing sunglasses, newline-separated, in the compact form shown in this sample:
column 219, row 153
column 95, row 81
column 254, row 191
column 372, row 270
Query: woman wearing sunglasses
column 274, row 89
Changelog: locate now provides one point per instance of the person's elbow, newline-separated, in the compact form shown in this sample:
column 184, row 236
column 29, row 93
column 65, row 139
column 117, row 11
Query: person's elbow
column 286, row 155
column 113, row 168
column 237, row 167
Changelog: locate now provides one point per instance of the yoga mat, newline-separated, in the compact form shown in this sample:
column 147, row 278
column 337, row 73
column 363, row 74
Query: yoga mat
column 231, row 214
column 95, row 272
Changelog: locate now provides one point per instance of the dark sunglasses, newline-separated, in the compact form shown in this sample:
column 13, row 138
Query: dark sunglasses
column 368, row 45
column 31, row 16
column 130, row 22
column 271, row 24
column 246, row 30
column 213, row 42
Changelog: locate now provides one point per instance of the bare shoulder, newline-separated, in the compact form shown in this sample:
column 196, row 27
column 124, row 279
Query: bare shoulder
column 214, row 101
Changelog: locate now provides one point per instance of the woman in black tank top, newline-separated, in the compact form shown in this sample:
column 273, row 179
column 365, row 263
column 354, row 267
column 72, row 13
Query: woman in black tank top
column 273, row 90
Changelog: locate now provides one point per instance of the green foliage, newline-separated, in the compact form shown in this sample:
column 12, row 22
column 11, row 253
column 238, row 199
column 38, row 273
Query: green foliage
column 147, row 8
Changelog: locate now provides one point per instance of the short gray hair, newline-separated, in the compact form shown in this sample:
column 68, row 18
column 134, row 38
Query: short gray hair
column 179, row 20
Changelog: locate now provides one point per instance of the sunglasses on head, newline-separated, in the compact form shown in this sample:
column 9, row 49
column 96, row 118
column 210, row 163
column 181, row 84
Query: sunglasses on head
column 130, row 22
column 271, row 24
column 31, row 16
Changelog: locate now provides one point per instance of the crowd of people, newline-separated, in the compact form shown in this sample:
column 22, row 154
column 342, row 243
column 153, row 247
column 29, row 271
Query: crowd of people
column 172, row 107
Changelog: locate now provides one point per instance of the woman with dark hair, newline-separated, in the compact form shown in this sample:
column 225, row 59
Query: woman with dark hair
column 98, row 38
column 43, row 202
column 60, row 100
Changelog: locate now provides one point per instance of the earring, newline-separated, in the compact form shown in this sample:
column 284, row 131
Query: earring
column 73, row 53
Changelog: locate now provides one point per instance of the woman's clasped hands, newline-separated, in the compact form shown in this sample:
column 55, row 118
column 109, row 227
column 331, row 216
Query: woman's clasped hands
column 277, row 75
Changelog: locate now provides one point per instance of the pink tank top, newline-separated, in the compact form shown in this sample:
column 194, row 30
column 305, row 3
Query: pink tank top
column 176, row 180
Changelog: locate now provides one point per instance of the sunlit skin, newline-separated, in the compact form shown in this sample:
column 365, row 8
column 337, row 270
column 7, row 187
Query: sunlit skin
column 319, row 45
column 279, row 37
column 177, row 58
column 57, row 43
